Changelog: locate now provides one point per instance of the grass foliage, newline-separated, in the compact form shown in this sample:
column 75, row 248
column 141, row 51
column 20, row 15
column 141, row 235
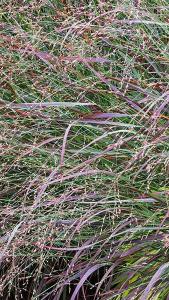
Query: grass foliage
column 84, row 114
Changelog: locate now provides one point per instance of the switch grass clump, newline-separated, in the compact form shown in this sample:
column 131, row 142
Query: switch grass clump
column 84, row 167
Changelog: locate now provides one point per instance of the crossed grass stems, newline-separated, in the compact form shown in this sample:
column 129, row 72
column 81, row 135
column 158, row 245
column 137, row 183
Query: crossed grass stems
column 84, row 171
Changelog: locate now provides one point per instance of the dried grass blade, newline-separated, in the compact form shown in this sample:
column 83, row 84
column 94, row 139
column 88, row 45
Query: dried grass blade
column 44, row 105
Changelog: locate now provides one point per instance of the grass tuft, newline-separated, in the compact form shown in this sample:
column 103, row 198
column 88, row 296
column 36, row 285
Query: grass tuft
column 84, row 114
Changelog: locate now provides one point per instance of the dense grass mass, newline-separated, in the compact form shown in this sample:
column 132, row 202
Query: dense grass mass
column 84, row 108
